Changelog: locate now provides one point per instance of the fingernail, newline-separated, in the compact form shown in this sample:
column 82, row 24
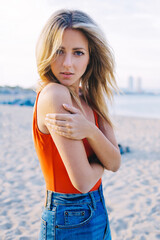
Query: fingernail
column 65, row 105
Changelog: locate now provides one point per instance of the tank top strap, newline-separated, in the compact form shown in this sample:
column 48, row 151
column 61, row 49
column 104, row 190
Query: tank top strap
column 35, row 106
column 96, row 118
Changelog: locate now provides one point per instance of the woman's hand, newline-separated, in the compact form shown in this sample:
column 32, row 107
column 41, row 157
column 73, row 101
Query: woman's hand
column 72, row 125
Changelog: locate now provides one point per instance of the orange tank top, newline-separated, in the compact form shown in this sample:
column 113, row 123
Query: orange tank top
column 54, row 171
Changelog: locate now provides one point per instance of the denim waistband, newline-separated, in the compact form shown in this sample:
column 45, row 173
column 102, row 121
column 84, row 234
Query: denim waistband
column 55, row 198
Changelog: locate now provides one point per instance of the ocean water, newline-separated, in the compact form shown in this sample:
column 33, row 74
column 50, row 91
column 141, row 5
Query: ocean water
column 138, row 105
column 142, row 105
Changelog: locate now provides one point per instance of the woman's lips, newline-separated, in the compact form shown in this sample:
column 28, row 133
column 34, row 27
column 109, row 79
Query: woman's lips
column 66, row 74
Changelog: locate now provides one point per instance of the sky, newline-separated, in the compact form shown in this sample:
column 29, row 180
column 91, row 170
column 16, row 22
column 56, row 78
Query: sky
column 132, row 28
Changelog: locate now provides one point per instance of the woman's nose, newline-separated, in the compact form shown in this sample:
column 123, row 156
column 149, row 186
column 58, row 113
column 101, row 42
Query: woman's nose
column 67, row 60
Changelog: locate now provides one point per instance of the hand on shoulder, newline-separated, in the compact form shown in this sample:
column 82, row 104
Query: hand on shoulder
column 50, row 100
column 53, row 96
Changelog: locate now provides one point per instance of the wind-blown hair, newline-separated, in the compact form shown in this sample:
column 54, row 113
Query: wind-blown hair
column 98, row 81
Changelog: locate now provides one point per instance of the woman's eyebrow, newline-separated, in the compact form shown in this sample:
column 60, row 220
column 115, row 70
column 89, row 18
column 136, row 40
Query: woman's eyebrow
column 80, row 48
column 76, row 48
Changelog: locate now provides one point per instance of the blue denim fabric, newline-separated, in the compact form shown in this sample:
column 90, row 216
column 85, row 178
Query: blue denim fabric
column 75, row 217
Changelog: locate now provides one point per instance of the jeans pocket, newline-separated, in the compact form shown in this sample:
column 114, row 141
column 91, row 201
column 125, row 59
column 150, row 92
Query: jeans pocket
column 43, row 230
column 74, row 217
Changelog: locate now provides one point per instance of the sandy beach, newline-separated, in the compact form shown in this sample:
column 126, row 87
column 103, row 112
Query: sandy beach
column 132, row 194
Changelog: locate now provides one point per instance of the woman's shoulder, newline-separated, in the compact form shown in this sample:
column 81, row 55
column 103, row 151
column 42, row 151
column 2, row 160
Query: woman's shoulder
column 50, row 100
column 54, row 89
column 53, row 95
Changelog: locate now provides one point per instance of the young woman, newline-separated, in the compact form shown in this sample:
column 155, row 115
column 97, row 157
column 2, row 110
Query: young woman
column 72, row 131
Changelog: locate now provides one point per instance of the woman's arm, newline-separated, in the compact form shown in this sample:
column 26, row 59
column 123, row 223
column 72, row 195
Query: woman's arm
column 83, row 175
column 104, row 144
column 102, row 139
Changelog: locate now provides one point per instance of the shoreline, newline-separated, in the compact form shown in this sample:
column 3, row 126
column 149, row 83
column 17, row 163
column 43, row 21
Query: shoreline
column 132, row 194
column 145, row 117
column 113, row 114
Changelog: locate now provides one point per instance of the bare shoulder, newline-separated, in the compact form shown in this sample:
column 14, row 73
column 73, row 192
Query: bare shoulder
column 50, row 100
column 55, row 91
column 53, row 96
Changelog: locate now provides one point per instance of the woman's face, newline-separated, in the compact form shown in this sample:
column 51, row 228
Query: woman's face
column 72, row 58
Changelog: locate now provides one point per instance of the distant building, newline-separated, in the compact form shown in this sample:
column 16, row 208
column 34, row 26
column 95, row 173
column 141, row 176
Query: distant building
column 130, row 83
column 139, row 85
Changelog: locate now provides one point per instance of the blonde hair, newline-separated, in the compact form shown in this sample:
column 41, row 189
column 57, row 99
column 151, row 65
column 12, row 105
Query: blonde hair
column 98, row 79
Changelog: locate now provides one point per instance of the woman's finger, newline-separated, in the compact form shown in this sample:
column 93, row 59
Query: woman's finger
column 63, row 129
column 59, row 116
column 64, row 134
column 70, row 108
column 57, row 122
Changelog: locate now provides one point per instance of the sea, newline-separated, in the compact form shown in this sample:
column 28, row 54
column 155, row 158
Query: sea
column 136, row 105
column 144, row 105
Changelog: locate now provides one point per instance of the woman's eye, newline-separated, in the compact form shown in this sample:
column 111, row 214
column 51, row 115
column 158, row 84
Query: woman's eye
column 79, row 53
column 59, row 52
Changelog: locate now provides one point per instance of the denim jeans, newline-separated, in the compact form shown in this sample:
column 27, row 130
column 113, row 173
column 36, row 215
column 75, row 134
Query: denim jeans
column 75, row 217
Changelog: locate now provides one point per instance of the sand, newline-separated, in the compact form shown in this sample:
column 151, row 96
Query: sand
column 132, row 194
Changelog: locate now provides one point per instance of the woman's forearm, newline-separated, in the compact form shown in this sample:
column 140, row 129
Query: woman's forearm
column 105, row 151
